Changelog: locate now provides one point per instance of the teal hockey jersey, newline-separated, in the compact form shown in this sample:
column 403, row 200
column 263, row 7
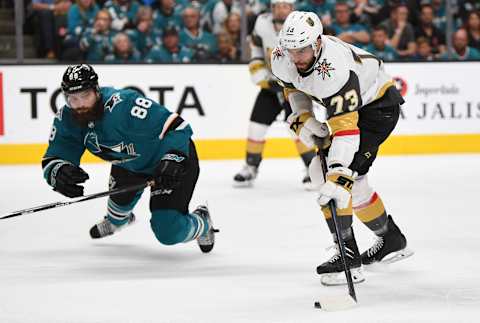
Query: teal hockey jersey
column 134, row 133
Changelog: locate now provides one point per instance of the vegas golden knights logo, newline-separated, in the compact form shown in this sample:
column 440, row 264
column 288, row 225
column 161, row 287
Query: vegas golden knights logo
column 310, row 21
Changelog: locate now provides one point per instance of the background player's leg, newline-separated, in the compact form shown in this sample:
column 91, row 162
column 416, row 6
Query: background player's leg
column 171, row 221
column 265, row 110
column 119, row 207
column 306, row 154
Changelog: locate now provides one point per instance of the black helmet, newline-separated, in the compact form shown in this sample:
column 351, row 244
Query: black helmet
column 79, row 78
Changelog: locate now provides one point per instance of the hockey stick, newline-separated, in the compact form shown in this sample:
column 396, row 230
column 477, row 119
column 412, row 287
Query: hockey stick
column 116, row 191
column 330, row 304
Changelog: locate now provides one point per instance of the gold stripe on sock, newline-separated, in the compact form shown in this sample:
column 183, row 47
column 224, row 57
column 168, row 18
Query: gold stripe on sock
column 371, row 210
column 301, row 148
column 348, row 211
column 255, row 147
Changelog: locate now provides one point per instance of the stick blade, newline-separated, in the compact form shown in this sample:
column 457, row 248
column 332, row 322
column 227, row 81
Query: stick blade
column 335, row 303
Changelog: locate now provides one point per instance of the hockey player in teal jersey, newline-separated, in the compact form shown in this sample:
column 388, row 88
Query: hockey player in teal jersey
column 143, row 141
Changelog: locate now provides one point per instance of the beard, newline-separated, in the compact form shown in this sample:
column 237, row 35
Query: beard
column 84, row 115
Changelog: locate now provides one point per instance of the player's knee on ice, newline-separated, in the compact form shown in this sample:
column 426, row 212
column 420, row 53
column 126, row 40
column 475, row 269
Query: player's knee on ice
column 170, row 226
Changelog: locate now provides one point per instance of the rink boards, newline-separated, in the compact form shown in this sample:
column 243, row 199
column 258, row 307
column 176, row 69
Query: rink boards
column 441, row 113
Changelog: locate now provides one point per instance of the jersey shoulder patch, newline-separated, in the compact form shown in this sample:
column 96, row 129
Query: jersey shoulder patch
column 281, row 65
column 112, row 101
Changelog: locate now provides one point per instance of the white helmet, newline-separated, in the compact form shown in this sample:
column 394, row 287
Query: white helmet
column 272, row 2
column 301, row 29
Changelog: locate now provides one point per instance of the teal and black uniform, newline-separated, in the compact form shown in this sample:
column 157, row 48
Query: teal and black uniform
column 134, row 133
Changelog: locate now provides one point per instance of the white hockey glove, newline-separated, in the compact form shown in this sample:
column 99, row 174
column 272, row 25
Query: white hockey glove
column 338, row 187
column 306, row 127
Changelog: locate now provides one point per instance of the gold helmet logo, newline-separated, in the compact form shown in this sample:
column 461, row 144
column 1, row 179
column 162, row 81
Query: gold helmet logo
column 310, row 22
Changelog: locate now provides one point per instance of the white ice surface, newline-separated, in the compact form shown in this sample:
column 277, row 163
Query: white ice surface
column 263, row 266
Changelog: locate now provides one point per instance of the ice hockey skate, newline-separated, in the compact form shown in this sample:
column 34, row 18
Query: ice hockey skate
column 332, row 272
column 307, row 183
column 106, row 228
column 207, row 240
column 246, row 176
column 388, row 248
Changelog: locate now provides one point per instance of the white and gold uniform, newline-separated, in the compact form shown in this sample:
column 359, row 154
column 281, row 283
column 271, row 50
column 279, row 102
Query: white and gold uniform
column 270, row 101
column 344, row 79
column 362, row 108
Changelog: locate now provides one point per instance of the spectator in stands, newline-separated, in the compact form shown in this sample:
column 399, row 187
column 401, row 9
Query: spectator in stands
column 465, row 7
column 50, row 20
column 439, row 10
column 227, row 52
column 355, row 34
column 170, row 51
column 123, row 13
column 472, row 25
column 233, row 27
column 221, row 11
column 97, row 42
column 424, row 50
column 427, row 29
column 379, row 46
column 144, row 36
column 461, row 50
column 202, row 43
column 388, row 6
column 400, row 32
column 123, row 50
column 323, row 8
column 364, row 11
column 167, row 15
column 81, row 16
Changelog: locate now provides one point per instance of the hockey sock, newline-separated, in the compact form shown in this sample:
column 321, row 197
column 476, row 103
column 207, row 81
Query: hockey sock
column 199, row 226
column 372, row 213
column 254, row 152
column 119, row 214
column 306, row 153
column 344, row 217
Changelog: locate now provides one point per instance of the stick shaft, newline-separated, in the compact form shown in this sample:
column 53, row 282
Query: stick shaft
column 48, row 206
column 333, row 209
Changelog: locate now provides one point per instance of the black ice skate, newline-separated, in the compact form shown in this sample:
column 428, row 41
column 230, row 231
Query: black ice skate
column 107, row 228
column 390, row 247
column 206, row 241
column 307, row 182
column 246, row 176
column 332, row 272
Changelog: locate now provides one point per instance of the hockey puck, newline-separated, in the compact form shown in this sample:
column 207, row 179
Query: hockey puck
column 317, row 305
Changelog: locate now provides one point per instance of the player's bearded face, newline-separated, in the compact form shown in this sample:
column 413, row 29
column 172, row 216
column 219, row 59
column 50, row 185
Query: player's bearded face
column 303, row 58
column 86, row 105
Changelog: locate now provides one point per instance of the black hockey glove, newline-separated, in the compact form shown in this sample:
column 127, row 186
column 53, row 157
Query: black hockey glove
column 65, row 178
column 171, row 169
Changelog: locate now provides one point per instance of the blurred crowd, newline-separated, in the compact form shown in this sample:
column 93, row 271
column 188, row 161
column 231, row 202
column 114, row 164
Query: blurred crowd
column 174, row 31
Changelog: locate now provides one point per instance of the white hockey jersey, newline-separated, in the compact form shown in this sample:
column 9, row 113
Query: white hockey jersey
column 343, row 79
column 264, row 40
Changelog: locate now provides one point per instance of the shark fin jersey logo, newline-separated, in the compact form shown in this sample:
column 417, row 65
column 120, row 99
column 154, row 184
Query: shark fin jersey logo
column 113, row 101
column 116, row 154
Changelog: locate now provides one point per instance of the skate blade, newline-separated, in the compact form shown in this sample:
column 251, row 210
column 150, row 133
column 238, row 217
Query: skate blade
column 310, row 187
column 397, row 256
column 335, row 303
column 244, row 184
column 338, row 279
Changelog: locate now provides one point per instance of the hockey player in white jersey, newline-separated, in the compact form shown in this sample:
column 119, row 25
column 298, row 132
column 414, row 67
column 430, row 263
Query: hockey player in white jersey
column 270, row 101
column 362, row 106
